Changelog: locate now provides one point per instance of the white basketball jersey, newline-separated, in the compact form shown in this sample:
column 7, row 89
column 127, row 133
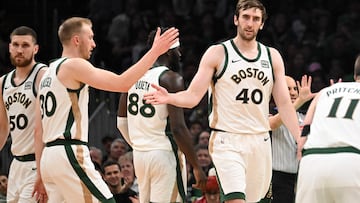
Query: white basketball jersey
column 336, row 121
column 148, row 124
column 240, row 92
column 64, row 111
column 20, row 102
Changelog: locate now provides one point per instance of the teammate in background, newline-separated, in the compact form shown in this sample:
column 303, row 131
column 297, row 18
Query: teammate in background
column 62, row 114
column 329, row 169
column 158, row 134
column 242, row 74
column 284, row 159
column 17, row 106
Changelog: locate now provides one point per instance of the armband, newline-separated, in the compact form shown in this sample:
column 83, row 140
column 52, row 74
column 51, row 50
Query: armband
column 305, row 131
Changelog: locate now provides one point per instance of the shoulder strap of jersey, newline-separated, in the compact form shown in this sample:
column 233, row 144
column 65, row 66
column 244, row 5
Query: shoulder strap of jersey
column 38, row 66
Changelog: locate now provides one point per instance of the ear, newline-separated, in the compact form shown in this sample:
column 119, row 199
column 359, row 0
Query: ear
column 76, row 40
column 261, row 26
column 236, row 20
column 36, row 48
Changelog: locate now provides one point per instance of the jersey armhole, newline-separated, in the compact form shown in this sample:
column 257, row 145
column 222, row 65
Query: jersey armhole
column 270, row 60
column 3, row 83
column 223, row 65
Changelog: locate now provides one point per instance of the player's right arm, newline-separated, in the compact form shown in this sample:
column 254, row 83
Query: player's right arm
column 4, row 124
column 39, row 189
column 199, row 85
column 77, row 71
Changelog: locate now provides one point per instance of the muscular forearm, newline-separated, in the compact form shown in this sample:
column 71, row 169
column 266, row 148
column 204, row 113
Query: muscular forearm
column 184, row 99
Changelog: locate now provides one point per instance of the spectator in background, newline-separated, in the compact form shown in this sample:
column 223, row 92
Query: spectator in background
column 3, row 187
column 128, row 174
column 96, row 157
column 106, row 144
column 118, row 148
column 195, row 128
column 204, row 138
column 113, row 178
column 212, row 190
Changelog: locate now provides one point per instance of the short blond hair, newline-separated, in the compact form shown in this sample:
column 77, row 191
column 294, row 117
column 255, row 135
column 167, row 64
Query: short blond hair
column 70, row 27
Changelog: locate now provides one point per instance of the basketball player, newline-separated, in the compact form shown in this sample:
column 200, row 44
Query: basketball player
column 158, row 134
column 242, row 74
column 62, row 117
column 17, row 107
column 329, row 169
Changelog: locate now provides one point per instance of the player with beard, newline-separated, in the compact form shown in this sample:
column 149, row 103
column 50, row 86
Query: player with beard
column 242, row 74
column 18, row 92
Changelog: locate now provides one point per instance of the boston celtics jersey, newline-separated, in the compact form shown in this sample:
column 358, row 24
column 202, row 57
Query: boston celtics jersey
column 64, row 111
column 19, row 102
column 336, row 121
column 240, row 92
column 147, row 123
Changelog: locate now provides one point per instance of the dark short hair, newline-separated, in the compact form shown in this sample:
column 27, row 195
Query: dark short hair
column 109, row 163
column 24, row 30
column 246, row 4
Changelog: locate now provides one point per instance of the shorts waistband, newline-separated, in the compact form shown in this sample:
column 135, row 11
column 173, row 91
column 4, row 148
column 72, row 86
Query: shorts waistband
column 65, row 142
column 330, row 150
column 27, row 157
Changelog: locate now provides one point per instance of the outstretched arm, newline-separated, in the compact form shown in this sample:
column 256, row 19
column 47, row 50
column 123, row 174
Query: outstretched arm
column 189, row 98
column 75, row 70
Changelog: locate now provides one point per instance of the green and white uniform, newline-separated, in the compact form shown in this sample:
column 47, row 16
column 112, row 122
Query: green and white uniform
column 19, row 103
column 159, row 166
column 239, row 145
column 66, row 167
column 329, row 170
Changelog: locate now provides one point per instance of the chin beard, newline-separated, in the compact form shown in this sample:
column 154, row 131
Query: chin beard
column 23, row 63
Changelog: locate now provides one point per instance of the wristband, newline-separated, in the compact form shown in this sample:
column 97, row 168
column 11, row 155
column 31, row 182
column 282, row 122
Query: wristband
column 305, row 131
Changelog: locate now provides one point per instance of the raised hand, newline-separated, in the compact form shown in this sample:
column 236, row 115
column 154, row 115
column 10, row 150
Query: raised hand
column 163, row 42
column 305, row 93
column 332, row 81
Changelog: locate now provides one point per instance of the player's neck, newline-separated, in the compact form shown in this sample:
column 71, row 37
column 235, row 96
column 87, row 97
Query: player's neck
column 245, row 45
column 248, row 48
column 21, row 73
